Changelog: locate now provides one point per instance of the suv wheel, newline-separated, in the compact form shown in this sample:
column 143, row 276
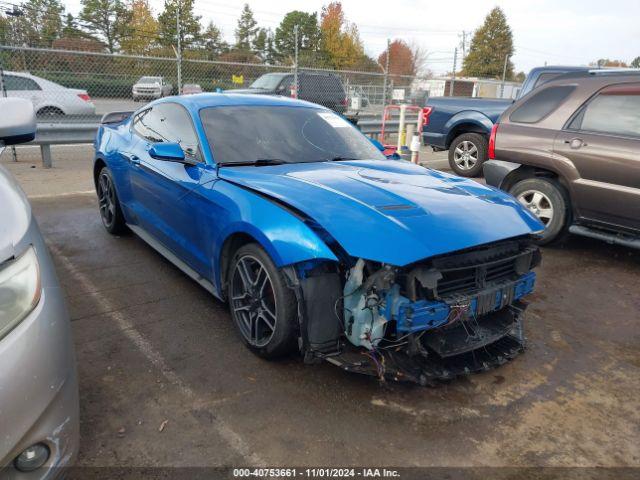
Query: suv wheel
column 467, row 153
column 548, row 201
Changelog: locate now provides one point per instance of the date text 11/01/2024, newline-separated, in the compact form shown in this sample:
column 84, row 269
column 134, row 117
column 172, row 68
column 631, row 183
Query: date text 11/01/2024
column 316, row 472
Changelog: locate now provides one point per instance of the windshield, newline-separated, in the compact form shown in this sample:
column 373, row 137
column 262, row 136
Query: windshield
column 267, row 82
column 288, row 134
column 150, row 80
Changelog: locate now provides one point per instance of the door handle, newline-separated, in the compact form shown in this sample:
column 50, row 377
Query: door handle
column 133, row 159
column 575, row 143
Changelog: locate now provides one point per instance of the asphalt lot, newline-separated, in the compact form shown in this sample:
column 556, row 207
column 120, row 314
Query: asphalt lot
column 164, row 380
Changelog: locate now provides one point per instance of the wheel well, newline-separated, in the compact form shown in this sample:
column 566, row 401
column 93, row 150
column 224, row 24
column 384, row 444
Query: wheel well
column 229, row 248
column 525, row 172
column 97, row 167
column 49, row 108
column 464, row 128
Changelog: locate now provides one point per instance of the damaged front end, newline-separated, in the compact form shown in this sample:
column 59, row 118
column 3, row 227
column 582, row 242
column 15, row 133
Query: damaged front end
column 433, row 320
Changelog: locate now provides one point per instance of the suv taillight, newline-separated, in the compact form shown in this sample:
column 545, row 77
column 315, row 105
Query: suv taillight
column 294, row 94
column 85, row 97
column 492, row 142
column 344, row 102
column 426, row 112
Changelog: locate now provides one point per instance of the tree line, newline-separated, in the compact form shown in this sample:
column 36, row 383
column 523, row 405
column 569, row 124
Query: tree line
column 325, row 38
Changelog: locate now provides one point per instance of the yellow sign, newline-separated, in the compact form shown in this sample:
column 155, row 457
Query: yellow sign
column 237, row 79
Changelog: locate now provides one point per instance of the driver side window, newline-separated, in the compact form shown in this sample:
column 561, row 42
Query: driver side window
column 168, row 122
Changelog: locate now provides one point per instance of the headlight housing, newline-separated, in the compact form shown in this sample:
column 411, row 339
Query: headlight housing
column 20, row 289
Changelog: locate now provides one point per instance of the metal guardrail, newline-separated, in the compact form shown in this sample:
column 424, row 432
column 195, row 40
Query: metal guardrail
column 56, row 133
column 48, row 134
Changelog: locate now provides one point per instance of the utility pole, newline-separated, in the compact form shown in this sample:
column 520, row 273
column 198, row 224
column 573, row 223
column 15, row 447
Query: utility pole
column 179, row 52
column 385, row 81
column 464, row 43
column 504, row 74
column 295, row 64
column 453, row 76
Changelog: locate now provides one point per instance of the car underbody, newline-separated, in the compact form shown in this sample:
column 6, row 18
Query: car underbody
column 436, row 319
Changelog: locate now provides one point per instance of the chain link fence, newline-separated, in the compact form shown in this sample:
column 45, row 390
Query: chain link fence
column 67, row 86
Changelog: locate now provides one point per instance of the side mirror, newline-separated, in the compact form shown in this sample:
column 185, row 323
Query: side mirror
column 17, row 122
column 377, row 144
column 169, row 151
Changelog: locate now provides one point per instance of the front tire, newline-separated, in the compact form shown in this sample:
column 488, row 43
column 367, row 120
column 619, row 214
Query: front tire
column 467, row 153
column 109, row 204
column 263, row 309
column 548, row 201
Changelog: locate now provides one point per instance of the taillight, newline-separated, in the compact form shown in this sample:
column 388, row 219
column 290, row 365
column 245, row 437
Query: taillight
column 344, row 102
column 492, row 142
column 426, row 111
column 294, row 94
column 85, row 97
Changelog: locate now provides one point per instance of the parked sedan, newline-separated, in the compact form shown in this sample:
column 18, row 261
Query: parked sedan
column 38, row 384
column 150, row 88
column 48, row 98
column 191, row 89
column 320, row 244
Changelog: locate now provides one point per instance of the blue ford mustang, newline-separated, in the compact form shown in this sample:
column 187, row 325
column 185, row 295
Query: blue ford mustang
column 319, row 243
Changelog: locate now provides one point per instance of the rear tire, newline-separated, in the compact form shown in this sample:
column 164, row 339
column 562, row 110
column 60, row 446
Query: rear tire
column 109, row 204
column 264, row 310
column 548, row 200
column 467, row 153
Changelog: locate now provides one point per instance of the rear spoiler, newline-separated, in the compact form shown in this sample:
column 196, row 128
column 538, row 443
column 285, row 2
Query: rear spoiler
column 115, row 117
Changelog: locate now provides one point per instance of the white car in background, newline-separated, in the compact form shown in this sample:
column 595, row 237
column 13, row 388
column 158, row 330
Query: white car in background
column 151, row 88
column 48, row 98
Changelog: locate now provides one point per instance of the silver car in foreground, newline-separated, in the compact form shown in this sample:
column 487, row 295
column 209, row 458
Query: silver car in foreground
column 48, row 98
column 39, row 416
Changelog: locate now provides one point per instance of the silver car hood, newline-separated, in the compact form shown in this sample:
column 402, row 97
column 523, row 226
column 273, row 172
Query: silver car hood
column 15, row 215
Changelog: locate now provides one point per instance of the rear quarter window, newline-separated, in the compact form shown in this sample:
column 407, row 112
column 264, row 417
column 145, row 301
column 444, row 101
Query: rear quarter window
column 615, row 114
column 541, row 104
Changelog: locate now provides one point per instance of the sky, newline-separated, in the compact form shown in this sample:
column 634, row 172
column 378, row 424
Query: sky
column 568, row 32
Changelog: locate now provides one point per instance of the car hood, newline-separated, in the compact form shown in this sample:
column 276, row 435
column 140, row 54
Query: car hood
column 147, row 85
column 15, row 215
column 391, row 211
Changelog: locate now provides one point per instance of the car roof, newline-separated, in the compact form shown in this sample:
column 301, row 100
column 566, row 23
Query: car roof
column 20, row 74
column 204, row 100
column 597, row 76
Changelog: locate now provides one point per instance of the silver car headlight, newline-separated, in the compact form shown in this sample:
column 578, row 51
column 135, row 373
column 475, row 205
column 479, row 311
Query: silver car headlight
column 20, row 289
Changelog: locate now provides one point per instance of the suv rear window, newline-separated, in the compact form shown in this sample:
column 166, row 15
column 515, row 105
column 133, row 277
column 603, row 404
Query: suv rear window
column 613, row 114
column 541, row 104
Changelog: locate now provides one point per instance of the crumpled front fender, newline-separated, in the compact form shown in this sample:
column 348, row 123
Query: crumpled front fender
column 283, row 235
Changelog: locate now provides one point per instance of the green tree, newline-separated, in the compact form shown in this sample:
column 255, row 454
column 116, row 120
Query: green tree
column 491, row 44
column 38, row 23
column 308, row 33
column 107, row 19
column 71, row 28
column 246, row 29
column 262, row 43
column 190, row 28
column 635, row 63
column 212, row 41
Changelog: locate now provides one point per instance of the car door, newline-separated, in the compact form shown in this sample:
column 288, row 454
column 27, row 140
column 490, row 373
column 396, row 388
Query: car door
column 602, row 140
column 168, row 195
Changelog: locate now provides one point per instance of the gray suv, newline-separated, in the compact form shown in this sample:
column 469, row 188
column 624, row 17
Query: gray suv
column 570, row 152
